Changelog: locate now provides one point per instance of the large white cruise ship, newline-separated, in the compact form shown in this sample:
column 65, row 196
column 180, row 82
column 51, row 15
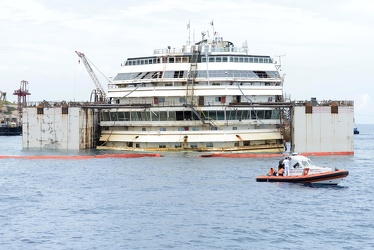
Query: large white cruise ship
column 206, row 96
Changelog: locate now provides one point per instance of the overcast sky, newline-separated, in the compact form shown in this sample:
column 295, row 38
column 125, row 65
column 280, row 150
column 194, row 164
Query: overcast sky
column 327, row 44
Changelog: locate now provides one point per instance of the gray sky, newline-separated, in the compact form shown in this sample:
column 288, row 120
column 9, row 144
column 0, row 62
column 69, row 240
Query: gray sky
column 328, row 44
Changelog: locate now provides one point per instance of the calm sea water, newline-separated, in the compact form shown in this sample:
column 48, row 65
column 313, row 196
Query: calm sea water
column 181, row 201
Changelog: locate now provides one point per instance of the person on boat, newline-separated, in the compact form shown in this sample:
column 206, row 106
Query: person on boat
column 280, row 171
column 280, row 165
column 286, row 163
column 272, row 172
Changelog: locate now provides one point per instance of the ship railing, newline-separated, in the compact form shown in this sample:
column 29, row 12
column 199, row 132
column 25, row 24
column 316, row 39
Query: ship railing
column 131, row 83
column 212, row 49
column 325, row 103
column 167, row 51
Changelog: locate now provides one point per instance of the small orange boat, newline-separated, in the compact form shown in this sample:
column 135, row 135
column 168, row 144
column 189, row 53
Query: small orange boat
column 303, row 170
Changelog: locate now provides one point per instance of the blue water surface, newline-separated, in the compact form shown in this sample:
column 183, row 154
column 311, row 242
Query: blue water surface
column 180, row 201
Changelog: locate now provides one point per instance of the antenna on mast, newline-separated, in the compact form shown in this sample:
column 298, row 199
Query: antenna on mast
column 278, row 66
column 189, row 32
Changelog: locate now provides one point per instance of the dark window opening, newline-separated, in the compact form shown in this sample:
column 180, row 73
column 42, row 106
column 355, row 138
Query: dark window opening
column 261, row 74
column 40, row 111
column 65, row 110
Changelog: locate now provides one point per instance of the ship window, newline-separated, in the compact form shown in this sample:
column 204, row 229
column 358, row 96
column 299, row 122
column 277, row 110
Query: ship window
column 275, row 114
column 267, row 114
column 261, row 60
column 162, row 129
column 251, row 59
column 177, row 145
column 211, row 59
column 209, row 144
column 195, row 129
column 231, row 59
column 245, row 114
column 261, row 74
column 163, row 116
column 246, row 143
column 260, row 114
column 171, row 59
column 220, row 115
column 113, row 116
column 193, row 145
column 144, row 129
column 182, row 100
column 203, row 59
column 253, row 114
column 241, row 59
column 105, row 116
column 155, row 116
column 218, row 59
column 178, row 74
column 162, row 146
column 224, row 59
column 127, row 116
column 40, row 110
column 236, row 144
column 256, row 60
column 137, row 145
column 134, row 116
column 181, row 129
column 169, row 74
column 218, row 98
column 239, row 115
column 171, row 116
column 234, row 128
column 236, row 59
column 246, row 59
column 161, row 99
column 65, row 110
column 179, row 116
column 121, row 116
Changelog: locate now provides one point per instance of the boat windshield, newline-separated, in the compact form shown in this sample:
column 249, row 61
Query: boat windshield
column 307, row 162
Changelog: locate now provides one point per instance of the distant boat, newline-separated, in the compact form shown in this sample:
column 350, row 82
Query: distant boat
column 355, row 131
column 9, row 126
column 9, row 131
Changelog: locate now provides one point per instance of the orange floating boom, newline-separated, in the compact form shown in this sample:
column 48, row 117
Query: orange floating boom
column 77, row 157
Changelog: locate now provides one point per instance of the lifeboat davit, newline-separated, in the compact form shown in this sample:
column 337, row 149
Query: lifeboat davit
column 303, row 170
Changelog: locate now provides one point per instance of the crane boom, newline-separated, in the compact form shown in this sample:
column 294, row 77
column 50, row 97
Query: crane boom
column 99, row 89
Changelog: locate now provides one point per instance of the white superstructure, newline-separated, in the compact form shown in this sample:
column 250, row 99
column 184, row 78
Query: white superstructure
column 207, row 96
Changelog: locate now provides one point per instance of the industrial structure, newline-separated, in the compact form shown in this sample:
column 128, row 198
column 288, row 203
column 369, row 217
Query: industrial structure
column 324, row 127
column 98, row 95
column 22, row 93
column 11, row 117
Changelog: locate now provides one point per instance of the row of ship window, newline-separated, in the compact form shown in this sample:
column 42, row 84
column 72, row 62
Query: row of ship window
column 199, row 74
column 213, row 59
column 189, row 115
column 195, row 145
